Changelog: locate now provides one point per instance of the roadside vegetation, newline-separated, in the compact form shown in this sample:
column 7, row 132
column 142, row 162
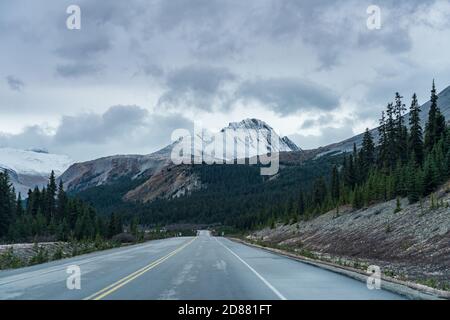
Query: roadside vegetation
column 58, row 226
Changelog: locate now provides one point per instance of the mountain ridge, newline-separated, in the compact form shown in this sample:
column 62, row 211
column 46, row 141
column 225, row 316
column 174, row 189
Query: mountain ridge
column 96, row 172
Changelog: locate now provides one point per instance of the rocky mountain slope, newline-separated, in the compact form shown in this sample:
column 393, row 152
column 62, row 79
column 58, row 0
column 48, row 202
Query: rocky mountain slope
column 30, row 168
column 411, row 244
column 171, row 182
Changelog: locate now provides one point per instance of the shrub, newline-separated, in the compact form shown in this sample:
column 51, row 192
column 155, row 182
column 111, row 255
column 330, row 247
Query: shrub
column 40, row 256
column 124, row 238
column 9, row 260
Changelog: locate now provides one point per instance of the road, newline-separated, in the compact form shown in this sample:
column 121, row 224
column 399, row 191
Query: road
column 202, row 267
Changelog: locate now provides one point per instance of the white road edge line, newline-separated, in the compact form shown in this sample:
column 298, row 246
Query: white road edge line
column 267, row 283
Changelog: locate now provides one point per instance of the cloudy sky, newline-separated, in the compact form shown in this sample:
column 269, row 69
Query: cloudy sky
column 139, row 69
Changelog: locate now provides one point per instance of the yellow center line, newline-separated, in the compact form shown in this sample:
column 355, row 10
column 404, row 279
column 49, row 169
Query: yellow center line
column 120, row 283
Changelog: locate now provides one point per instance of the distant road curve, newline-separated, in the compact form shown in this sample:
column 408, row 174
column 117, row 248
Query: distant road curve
column 202, row 267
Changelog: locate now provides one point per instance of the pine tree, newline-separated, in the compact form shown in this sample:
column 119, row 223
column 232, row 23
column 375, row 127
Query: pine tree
column 19, row 207
column 382, row 142
column 401, row 133
column 7, row 204
column 435, row 126
column 412, row 182
column 391, row 133
column 61, row 202
column 349, row 172
column 430, row 175
column 415, row 143
column 319, row 192
column 335, row 184
column 367, row 152
column 50, row 195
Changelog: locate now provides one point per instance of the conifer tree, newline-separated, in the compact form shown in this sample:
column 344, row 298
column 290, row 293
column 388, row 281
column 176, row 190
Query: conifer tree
column 367, row 152
column 382, row 142
column 415, row 143
column 401, row 133
column 51, row 194
column 435, row 127
column 7, row 202
column 335, row 184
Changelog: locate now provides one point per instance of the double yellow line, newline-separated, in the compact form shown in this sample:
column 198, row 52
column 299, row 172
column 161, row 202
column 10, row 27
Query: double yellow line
column 118, row 284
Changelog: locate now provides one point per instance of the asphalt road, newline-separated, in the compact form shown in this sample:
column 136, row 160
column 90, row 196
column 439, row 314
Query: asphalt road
column 202, row 267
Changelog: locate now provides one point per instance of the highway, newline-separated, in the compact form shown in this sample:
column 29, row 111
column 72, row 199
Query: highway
column 186, row 268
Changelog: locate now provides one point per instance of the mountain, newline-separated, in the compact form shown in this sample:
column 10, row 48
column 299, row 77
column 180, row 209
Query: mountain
column 254, row 139
column 144, row 178
column 84, row 175
column 30, row 168
column 347, row 145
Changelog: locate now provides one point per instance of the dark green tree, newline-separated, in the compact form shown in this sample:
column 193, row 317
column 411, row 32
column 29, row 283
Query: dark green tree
column 435, row 127
column 7, row 203
column 415, row 143
column 335, row 184
column 367, row 152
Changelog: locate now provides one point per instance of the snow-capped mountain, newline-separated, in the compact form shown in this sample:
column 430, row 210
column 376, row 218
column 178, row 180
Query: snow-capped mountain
column 253, row 138
column 260, row 136
column 30, row 168
column 239, row 140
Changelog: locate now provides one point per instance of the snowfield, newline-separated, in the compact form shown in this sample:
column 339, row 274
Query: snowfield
column 32, row 162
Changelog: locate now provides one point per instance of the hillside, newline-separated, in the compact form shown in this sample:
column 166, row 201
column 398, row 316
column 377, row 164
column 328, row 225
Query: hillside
column 411, row 244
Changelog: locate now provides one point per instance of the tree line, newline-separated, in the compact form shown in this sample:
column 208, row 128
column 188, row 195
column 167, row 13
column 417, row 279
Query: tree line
column 408, row 161
column 50, row 214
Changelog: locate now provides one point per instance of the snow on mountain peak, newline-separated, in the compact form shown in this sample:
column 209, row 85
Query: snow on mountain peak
column 31, row 162
column 248, row 138
column 255, row 124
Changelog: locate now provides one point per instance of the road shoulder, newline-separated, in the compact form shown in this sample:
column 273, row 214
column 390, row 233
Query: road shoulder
column 410, row 290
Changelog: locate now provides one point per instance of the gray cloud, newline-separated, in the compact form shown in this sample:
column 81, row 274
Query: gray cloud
column 130, row 129
column 75, row 70
column 82, row 45
column 31, row 137
column 95, row 128
column 195, row 86
column 15, row 83
column 289, row 95
column 322, row 120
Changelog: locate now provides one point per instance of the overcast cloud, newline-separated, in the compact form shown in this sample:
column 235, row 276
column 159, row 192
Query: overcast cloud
column 138, row 69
